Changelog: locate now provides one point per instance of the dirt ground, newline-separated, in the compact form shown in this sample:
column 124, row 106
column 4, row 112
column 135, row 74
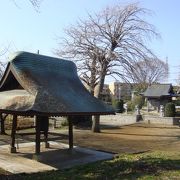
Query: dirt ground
column 134, row 138
column 130, row 139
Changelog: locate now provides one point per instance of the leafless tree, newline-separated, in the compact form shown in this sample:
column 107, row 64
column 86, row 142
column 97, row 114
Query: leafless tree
column 108, row 43
column 148, row 71
column 3, row 51
column 34, row 3
column 178, row 78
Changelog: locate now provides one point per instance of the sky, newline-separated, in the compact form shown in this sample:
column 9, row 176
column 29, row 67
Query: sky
column 24, row 29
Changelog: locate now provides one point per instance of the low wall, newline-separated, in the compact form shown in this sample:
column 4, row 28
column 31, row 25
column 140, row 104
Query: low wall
column 127, row 119
column 161, row 120
column 118, row 119
column 123, row 119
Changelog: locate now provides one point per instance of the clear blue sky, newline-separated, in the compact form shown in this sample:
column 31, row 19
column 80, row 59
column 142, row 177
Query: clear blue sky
column 25, row 29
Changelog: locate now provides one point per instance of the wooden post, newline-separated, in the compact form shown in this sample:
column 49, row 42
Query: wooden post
column 38, row 134
column 13, row 133
column 45, row 129
column 2, row 123
column 70, row 132
column 2, row 119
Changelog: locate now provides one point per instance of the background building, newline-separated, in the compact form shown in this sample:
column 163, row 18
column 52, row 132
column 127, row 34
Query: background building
column 120, row 90
column 106, row 94
column 158, row 94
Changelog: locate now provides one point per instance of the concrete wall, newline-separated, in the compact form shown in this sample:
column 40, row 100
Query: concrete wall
column 161, row 120
column 118, row 119
column 123, row 119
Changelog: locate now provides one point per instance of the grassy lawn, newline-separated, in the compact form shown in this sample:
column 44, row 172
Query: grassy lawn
column 149, row 165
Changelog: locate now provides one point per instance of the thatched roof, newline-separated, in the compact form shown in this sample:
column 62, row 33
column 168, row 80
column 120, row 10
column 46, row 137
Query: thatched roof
column 36, row 84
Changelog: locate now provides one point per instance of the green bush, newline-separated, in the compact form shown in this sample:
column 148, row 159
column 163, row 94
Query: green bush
column 139, row 101
column 169, row 110
column 130, row 106
column 118, row 105
column 177, row 102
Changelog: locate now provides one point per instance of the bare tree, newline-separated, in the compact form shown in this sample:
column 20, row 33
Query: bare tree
column 34, row 3
column 3, row 51
column 148, row 71
column 178, row 78
column 108, row 43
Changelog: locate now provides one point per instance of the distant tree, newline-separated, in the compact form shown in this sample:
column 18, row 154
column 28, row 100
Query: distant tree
column 2, row 68
column 178, row 78
column 118, row 105
column 3, row 51
column 107, row 43
column 35, row 3
column 148, row 71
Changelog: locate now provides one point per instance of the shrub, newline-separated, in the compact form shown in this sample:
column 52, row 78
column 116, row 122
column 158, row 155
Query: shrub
column 177, row 102
column 118, row 105
column 130, row 106
column 169, row 110
column 139, row 101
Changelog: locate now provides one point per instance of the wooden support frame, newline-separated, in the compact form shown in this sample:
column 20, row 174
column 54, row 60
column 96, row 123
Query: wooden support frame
column 13, row 134
column 38, row 130
column 70, row 132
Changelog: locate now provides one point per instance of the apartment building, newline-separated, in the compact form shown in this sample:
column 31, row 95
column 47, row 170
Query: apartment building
column 120, row 90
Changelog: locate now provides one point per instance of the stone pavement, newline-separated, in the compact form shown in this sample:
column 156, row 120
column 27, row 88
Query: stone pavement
column 58, row 156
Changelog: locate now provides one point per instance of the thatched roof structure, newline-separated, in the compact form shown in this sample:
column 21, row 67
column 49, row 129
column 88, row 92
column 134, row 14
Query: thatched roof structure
column 34, row 84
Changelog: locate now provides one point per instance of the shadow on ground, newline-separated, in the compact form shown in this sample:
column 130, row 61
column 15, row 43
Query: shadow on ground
column 121, row 167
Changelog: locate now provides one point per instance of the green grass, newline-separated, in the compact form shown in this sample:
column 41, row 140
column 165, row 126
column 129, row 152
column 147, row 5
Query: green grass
column 148, row 166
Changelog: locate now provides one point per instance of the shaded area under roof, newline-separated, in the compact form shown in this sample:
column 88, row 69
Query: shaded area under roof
column 36, row 84
column 159, row 90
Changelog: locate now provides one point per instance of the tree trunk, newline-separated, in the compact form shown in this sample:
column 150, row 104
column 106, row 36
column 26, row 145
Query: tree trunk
column 96, row 124
column 96, row 119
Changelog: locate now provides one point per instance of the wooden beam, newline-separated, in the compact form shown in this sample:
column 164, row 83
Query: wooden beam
column 13, row 134
column 70, row 132
column 38, row 134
